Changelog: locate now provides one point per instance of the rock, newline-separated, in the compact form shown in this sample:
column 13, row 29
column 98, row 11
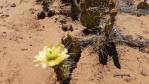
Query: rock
column 13, row 5
column 67, row 27
column 41, row 15
column 62, row 21
column 3, row 16
column 44, row 14
column 51, row 13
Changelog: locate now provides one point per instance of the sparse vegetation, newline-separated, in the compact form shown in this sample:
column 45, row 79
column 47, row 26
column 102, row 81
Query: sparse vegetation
column 98, row 18
column 99, row 41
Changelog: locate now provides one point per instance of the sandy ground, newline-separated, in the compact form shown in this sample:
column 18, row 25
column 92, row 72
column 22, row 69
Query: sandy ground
column 22, row 36
column 134, row 26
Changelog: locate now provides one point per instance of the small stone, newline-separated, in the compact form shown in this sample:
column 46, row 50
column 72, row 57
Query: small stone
column 62, row 21
column 67, row 27
column 41, row 15
column 13, row 5
column 24, row 49
column 4, row 32
column 51, row 13
column 1, row 6
column 4, row 16
column 30, row 45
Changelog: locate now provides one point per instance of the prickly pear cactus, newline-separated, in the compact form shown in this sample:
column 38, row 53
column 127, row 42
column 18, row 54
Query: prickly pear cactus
column 93, row 12
column 65, row 69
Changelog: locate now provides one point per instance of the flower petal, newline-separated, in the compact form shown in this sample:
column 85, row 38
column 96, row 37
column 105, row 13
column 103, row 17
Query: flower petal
column 51, row 56
column 44, row 65
column 58, row 48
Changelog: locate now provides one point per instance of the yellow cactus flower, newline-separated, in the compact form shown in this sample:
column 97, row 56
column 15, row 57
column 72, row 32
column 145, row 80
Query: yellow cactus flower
column 51, row 56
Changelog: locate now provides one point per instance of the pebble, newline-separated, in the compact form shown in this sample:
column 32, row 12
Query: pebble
column 51, row 13
column 41, row 15
column 67, row 27
column 13, row 5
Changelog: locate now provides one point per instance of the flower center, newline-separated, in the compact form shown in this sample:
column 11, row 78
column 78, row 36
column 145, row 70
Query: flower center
column 51, row 55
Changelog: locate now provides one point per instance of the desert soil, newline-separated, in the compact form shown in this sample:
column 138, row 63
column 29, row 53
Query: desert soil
column 22, row 36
